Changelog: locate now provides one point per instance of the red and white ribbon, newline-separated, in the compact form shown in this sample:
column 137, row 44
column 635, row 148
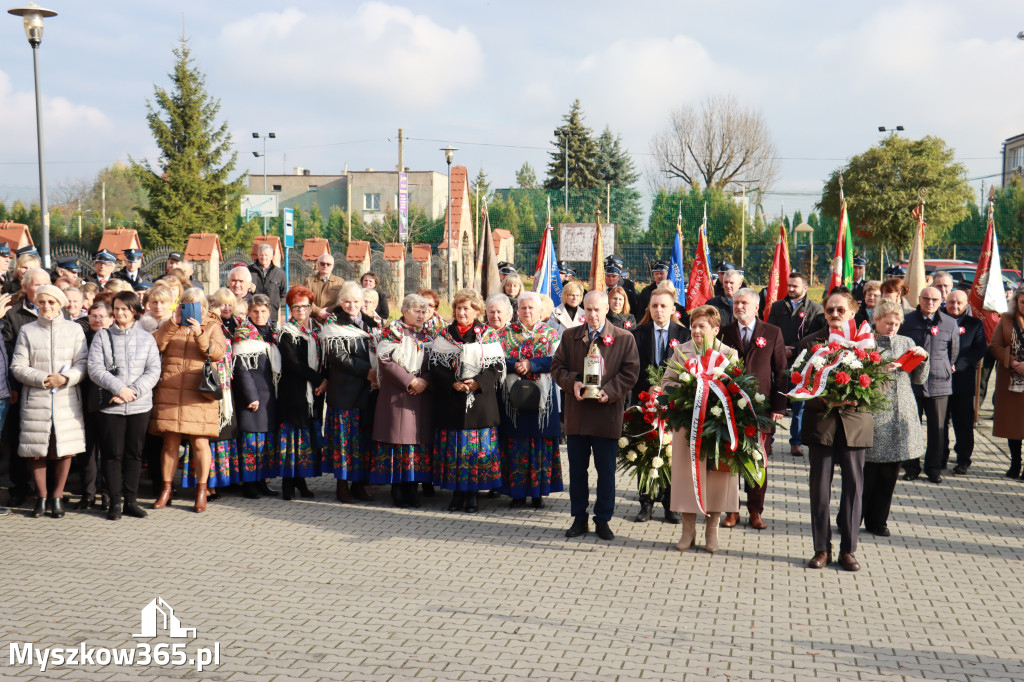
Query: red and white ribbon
column 849, row 336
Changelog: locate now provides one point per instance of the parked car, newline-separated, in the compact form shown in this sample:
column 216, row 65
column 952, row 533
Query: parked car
column 962, row 271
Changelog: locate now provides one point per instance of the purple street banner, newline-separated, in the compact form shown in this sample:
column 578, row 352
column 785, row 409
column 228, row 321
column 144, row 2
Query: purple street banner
column 403, row 207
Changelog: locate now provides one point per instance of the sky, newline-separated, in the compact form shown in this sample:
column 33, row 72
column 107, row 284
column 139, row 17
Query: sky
column 336, row 80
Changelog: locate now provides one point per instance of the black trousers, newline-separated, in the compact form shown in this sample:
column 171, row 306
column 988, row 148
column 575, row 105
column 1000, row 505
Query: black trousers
column 89, row 461
column 122, row 437
column 986, row 372
column 961, row 414
column 935, row 417
column 822, row 459
column 879, row 484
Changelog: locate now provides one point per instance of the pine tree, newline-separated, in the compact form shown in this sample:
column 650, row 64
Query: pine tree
column 526, row 177
column 615, row 167
column 582, row 153
column 189, row 188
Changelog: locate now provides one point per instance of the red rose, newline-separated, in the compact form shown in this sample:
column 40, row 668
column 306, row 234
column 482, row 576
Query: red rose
column 608, row 340
column 860, row 353
column 648, row 418
column 815, row 348
column 736, row 371
column 796, row 377
column 842, row 378
column 652, row 435
column 875, row 356
column 864, row 380
column 750, row 431
column 834, row 346
column 733, row 388
column 671, row 404
column 644, row 396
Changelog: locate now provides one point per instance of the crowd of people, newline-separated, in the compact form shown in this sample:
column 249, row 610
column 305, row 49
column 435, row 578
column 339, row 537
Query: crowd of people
column 261, row 381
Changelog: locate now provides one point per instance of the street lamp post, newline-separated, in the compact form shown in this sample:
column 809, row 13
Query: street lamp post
column 883, row 129
column 272, row 136
column 449, row 154
column 33, row 16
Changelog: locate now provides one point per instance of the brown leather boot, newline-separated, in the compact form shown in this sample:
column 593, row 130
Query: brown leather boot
column 730, row 520
column 200, row 505
column 341, row 492
column 165, row 496
column 711, row 532
column 360, row 492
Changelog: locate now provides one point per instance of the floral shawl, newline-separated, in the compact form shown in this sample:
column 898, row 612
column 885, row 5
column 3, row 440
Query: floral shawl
column 468, row 358
column 520, row 343
column 397, row 343
column 248, row 345
column 312, row 337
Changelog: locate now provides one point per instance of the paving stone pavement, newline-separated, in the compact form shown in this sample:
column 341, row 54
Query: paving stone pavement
column 313, row 589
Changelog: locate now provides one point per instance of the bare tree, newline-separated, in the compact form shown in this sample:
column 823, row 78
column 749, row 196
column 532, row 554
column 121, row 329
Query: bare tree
column 720, row 144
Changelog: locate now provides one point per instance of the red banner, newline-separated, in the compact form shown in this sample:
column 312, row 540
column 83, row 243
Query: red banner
column 778, row 278
column 985, row 267
column 699, row 290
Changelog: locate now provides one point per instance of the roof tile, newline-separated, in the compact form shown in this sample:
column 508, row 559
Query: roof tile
column 394, row 252
column 203, row 246
column 358, row 250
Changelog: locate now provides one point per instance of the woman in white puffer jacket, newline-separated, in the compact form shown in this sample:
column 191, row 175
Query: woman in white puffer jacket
column 50, row 359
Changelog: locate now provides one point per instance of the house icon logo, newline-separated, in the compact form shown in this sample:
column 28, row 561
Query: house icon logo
column 157, row 615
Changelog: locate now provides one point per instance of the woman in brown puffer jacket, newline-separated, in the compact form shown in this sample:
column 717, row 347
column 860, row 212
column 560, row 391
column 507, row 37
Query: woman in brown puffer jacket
column 179, row 409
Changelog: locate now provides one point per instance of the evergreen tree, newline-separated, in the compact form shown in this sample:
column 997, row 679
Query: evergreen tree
column 582, row 154
column 337, row 226
column 526, row 177
column 615, row 167
column 314, row 227
column 189, row 188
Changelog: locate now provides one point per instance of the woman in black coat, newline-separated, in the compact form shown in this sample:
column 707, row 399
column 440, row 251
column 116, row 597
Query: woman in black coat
column 346, row 344
column 257, row 363
column 466, row 365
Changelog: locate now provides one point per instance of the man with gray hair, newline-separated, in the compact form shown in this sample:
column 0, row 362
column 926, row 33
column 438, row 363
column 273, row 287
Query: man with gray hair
column 325, row 285
column 240, row 283
column 269, row 279
column 730, row 281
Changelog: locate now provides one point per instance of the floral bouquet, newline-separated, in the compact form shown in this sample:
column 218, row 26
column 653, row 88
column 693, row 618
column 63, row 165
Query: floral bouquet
column 725, row 415
column 645, row 448
column 846, row 370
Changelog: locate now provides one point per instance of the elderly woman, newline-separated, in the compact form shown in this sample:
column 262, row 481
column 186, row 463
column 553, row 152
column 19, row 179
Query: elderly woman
column 49, row 361
column 872, row 295
column 159, row 302
column 618, row 309
column 466, row 367
column 300, row 395
column 721, row 488
column 898, row 428
column 403, row 424
column 530, row 463
column 348, row 351
column 843, row 438
column 435, row 323
column 257, row 366
column 569, row 313
column 180, row 410
column 1008, row 399
column 125, row 364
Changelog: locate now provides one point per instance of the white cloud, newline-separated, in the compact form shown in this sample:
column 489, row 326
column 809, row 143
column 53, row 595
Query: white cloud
column 379, row 52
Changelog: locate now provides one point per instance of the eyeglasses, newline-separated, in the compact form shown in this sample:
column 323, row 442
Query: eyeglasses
column 300, row 307
column 323, row 263
column 835, row 310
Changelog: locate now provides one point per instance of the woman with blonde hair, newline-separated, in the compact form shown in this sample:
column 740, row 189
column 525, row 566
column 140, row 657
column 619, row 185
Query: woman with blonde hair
column 180, row 410
column 618, row 309
column 569, row 313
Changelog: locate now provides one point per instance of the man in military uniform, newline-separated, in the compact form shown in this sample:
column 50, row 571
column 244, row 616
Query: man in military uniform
column 504, row 270
column 131, row 272
column 7, row 280
column 567, row 273
column 614, row 269
column 859, row 265
column 103, row 265
column 659, row 273
column 66, row 267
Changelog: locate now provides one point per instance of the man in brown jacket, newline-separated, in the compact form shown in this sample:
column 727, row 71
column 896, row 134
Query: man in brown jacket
column 325, row 285
column 594, row 425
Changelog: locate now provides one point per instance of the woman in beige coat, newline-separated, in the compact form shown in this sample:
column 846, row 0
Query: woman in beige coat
column 179, row 409
column 50, row 360
column 721, row 488
column 1008, row 399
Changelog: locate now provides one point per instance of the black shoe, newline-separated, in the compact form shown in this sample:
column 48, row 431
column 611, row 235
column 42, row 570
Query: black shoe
column 133, row 509
column 288, row 489
column 934, row 478
column 672, row 517
column 85, row 503
column 959, row 470
column 57, row 510
column 114, row 513
column 882, row 532
column 537, row 502
column 250, row 491
column 428, row 490
column 603, row 531
column 579, row 527
column 300, row 485
column 472, row 503
column 103, row 504
column 40, row 508
column 493, row 495
column 458, row 502
column 397, row 498
column 518, row 502
column 1013, row 471
column 411, row 496
column 264, row 489
column 646, row 511
column 910, row 477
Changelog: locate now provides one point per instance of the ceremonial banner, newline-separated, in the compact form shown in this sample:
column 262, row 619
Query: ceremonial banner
column 699, row 291
column 778, row 278
column 987, row 298
column 842, row 261
column 675, row 272
column 915, row 266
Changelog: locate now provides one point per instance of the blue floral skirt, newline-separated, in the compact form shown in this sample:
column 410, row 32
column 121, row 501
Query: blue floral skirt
column 467, row 461
column 391, row 463
column 531, row 467
column 299, row 451
column 346, row 448
column 257, row 457
column 223, row 464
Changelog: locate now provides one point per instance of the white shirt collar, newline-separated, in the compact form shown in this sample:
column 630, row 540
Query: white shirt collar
column 661, row 329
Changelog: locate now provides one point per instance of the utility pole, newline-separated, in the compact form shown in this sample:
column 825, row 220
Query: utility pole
column 103, row 198
column 401, row 153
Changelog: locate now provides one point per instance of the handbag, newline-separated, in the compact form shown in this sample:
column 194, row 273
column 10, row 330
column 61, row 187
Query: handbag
column 209, row 384
column 97, row 397
column 524, row 395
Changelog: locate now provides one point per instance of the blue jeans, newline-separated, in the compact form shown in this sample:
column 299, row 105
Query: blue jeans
column 605, row 450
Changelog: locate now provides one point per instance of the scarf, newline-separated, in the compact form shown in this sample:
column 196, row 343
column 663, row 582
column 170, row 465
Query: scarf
column 468, row 358
column 248, row 345
column 1016, row 353
column 520, row 343
column 312, row 338
column 398, row 344
column 337, row 337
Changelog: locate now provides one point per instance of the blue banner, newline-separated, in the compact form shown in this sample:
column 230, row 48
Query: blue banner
column 675, row 271
column 548, row 280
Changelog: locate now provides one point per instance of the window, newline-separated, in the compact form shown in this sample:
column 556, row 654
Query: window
column 313, row 188
column 277, row 188
column 371, row 202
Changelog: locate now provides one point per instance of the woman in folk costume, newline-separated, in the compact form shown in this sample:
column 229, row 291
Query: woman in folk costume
column 466, row 366
column 721, row 491
column 347, row 345
column 257, row 370
column 530, row 463
column 403, row 419
column 300, row 395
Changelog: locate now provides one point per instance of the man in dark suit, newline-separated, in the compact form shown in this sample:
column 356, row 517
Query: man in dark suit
column 655, row 343
column 731, row 281
column 938, row 334
column 973, row 347
column 594, row 424
column 103, row 268
column 614, row 276
column 797, row 316
column 131, row 272
column 764, row 355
